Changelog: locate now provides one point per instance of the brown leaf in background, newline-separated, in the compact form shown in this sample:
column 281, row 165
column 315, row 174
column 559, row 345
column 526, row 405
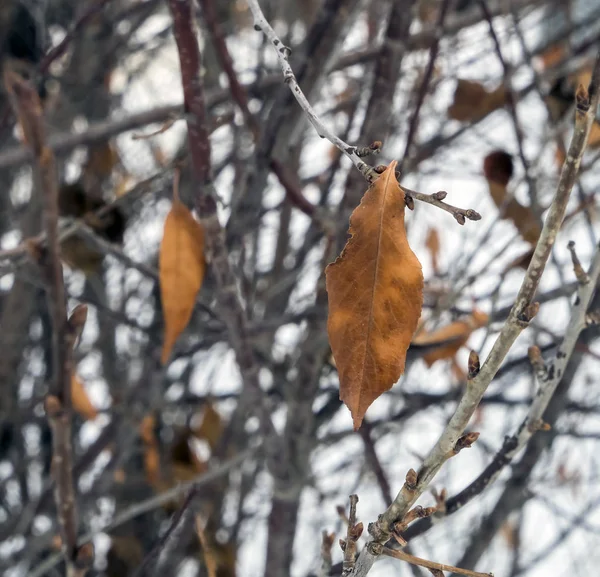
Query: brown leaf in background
column 375, row 291
column 124, row 556
column 498, row 169
column 472, row 101
column 552, row 55
column 594, row 138
column 210, row 428
column 102, row 159
column 432, row 242
column 451, row 337
column 210, row 561
column 81, row 401
column 181, row 271
column 510, row 534
column 151, row 453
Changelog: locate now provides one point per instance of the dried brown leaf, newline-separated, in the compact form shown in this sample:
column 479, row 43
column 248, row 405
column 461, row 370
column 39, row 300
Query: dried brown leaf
column 81, row 401
column 497, row 167
column 472, row 101
column 210, row 427
column 451, row 337
column 209, row 559
column 552, row 55
column 181, row 272
column 375, row 291
column 432, row 242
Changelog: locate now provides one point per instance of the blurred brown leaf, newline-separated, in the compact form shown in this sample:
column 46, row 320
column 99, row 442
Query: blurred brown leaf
column 472, row 101
column 81, row 401
column 124, row 556
column 498, row 169
column 451, row 337
column 432, row 242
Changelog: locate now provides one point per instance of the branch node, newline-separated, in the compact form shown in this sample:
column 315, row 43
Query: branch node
column 411, row 480
column 53, row 406
column 363, row 151
column 465, row 442
column 539, row 425
column 537, row 362
column 528, row 313
column 410, row 203
column 375, row 548
column 592, row 318
column 582, row 100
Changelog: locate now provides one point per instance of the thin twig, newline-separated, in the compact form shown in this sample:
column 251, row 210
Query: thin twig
column 512, row 106
column 433, row 52
column 436, row 199
column 327, row 540
column 283, row 53
column 398, row 554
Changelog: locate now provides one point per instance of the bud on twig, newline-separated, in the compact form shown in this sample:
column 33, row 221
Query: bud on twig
column 580, row 274
column 529, row 312
column 465, row 442
column 411, row 480
column 473, row 365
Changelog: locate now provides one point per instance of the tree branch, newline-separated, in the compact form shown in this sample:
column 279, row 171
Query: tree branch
column 519, row 317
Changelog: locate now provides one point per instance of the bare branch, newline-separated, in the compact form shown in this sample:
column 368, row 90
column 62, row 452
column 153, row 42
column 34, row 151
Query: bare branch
column 283, row 53
column 65, row 331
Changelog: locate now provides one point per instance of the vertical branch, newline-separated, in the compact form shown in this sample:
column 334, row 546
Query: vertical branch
column 229, row 300
column 193, row 91
column 65, row 331
column 240, row 97
column 433, row 52
column 512, row 106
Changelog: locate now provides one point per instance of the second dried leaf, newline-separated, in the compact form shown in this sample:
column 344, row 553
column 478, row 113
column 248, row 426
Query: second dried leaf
column 181, row 270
